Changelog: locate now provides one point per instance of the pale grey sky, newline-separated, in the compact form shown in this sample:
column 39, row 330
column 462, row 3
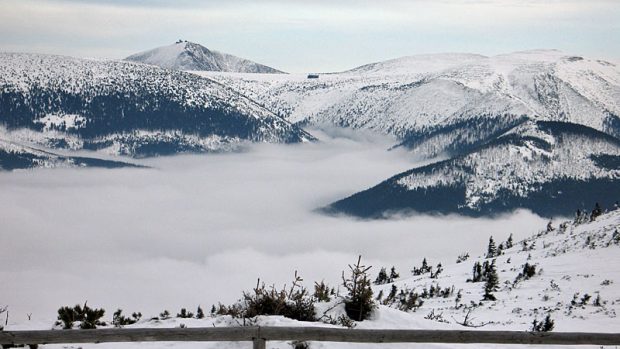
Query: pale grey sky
column 321, row 35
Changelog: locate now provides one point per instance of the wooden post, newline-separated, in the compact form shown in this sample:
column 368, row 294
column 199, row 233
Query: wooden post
column 259, row 343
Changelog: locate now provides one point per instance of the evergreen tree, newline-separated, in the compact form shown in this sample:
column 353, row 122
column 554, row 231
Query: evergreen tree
column 89, row 318
column 184, row 314
column 422, row 270
column 597, row 301
column 322, row 292
column 596, row 212
column 413, row 301
column 392, row 295
column 529, row 270
column 439, row 270
column 424, row 265
column 119, row 320
column 379, row 296
column 457, row 300
column 393, row 274
column 402, row 298
column 492, row 283
column 359, row 303
column 486, row 269
column 476, row 272
column 543, row 326
column 199, row 313
column 382, row 278
column 615, row 237
column 509, row 242
column 462, row 257
column 577, row 217
column 491, row 249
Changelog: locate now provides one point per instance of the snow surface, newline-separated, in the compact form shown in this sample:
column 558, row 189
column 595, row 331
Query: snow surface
column 577, row 259
column 520, row 168
column 86, row 79
column 20, row 72
column 62, row 122
column 418, row 93
column 184, row 55
column 33, row 156
column 572, row 259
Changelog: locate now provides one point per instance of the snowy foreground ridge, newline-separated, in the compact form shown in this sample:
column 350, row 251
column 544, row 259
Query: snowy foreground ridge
column 575, row 272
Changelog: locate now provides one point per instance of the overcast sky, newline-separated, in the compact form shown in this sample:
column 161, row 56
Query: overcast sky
column 302, row 36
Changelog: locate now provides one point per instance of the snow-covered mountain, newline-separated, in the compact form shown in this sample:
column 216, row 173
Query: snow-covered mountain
column 548, row 167
column 185, row 55
column 537, row 130
column 447, row 102
column 128, row 108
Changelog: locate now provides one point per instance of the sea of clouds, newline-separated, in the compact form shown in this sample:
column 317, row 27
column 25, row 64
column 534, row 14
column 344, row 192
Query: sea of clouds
column 200, row 229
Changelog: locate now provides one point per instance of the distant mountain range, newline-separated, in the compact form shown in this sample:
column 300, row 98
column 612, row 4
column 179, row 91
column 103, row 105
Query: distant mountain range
column 449, row 103
column 185, row 55
column 126, row 108
column 536, row 129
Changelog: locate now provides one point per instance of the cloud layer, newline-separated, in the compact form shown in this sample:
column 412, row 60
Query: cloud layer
column 200, row 229
column 303, row 36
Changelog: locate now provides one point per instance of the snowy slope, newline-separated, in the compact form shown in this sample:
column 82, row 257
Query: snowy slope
column 423, row 98
column 184, row 55
column 547, row 167
column 15, row 156
column 571, row 259
column 129, row 108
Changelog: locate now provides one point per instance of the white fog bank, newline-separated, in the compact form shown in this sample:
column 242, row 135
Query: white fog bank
column 201, row 229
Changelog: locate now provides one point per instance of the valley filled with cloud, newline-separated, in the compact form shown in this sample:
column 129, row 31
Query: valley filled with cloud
column 199, row 229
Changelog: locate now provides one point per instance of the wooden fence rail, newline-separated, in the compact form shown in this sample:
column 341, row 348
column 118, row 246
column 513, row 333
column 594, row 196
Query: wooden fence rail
column 259, row 336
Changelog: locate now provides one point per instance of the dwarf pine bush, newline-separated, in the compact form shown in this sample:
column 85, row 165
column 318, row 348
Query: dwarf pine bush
column 294, row 302
column 543, row 326
column 118, row 319
column 86, row 317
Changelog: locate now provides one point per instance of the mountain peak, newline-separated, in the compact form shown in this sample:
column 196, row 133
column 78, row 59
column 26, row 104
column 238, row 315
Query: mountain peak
column 187, row 55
